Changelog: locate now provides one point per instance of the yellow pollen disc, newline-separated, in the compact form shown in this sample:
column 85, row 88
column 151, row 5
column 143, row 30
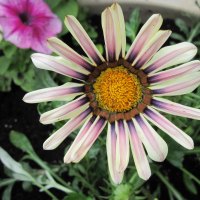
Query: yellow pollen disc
column 117, row 90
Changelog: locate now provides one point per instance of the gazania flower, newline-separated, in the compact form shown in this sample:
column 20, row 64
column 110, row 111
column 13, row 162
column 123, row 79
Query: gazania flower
column 121, row 91
column 28, row 23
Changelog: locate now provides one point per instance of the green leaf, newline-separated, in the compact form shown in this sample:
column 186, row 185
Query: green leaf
column 12, row 165
column 189, row 184
column 122, row 192
column 182, row 26
column 133, row 24
column 76, row 196
column 5, row 83
column 66, row 8
column 20, row 141
column 9, row 50
column 53, row 4
column 4, row 64
column 7, row 192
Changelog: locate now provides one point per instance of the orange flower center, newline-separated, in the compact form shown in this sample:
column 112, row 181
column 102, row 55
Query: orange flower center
column 117, row 90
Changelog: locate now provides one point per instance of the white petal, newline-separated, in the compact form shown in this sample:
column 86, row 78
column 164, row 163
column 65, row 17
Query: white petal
column 68, row 53
column 59, row 65
column 145, row 34
column 171, row 55
column 151, row 48
column 111, row 154
column 165, row 125
column 59, row 136
column 122, row 148
column 177, row 86
column 67, row 111
column 156, row 147
column 64, row 92
column 175, row 108
column 89, row 139
column 83, row 39
column 176, row 72
column 139, row 156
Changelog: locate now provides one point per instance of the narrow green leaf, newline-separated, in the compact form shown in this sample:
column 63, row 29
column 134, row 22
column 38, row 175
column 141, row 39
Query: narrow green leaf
column 20, row 141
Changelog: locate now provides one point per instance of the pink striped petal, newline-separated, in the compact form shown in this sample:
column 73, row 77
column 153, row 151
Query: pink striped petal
column 175, row 108
column 68, row 53
column 122, row 147
column 139, row 156
column 69, row 110
column 58, row 65
column 57, row 138
column 171, row 55
column 156, row 147
column 111, row 154
column 89, row 139
column 165, row 125
column 79, row 139
column 120, row 27
column 83, row 39
column 64, row 92
column 151, row 48
column 177, row 86
column 174, row 72
column 110, row 36
column 145, row 34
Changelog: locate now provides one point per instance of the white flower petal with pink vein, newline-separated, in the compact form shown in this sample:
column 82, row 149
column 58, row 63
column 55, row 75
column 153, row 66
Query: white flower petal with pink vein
column 177, row 86
column 79, row 139
column 59, row 65
column 175, row 108
column 145, row 34
column 139, row 155
column 165, row 125
column 68, row 53
column 83, row 39
column 59, row 136
column 122, row 148
column 110, row 35
column 89, row 139
column 120, row 27
column 67, row 111
column 156, row 147
column 151, row 48
column 169, row 56
column 176, row 72
column 64, row 92
column 111, row 154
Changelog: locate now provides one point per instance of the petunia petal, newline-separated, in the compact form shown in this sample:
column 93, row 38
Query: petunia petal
column 111, row 154
column 151, row 48
column 69, row 110
column 177, row 86
column 145, row 34
column 176, row 72
column 171, row 55
column 58, row 65
column 175, row 108
column 156, row 147
column 68, row 53
column 83, row 39
column 165, row 125
column 57, row 138
column 122, row 148
column 89, row 139
column 65, row 92
column 139, row 156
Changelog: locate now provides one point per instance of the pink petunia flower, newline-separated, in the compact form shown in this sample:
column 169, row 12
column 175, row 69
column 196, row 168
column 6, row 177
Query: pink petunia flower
column 28, row 23
column 122, row 91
